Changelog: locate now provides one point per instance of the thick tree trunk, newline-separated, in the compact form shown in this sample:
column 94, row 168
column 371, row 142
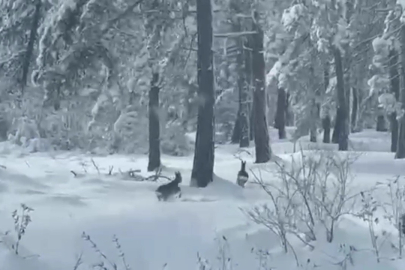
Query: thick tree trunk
column 347, row 77
column 400, row 153
column 336, row 129
column 288, row 113
column 236, row 131
column 281, row 113
column 381, row 124
column 243, row 87
column 313, row 122
column 154, row 125
column 203, row 165
column 30, row 46
column 249, row 83
column 355, row 107
column 342, row 115
column 244, row 122
column 315, row 109
column 326, row 121
column 252, row 126
column 326, row 126
column 262, row 144
column 394, row 81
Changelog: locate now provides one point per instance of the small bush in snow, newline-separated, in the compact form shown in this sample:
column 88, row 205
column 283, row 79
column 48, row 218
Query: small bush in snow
column 21, row 221
column 105, row 262
column 368, row 214
column 313, row 191
column 393, row 212
column 224, row 257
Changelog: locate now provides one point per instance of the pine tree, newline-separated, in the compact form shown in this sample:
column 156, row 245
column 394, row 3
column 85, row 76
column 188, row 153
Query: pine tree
column 203, row 165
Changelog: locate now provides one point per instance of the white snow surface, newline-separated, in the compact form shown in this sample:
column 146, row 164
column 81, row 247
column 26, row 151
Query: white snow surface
column 153, row 234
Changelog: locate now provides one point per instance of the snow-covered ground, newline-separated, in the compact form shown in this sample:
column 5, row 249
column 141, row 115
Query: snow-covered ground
column 154, row 235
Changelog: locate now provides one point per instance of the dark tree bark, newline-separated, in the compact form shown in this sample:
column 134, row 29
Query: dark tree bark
column 342, row 126
column 244, row 87
column 315, row 110
column 289, row 116
column 247, row 53
column 154, row 125
column 400, row 153
column 381, row 124
column 281, row 113
column 326, row 122
column 241, row 130
column 31, row 42
column 236, row 131
column 336, row 129
column 262, row 144
column 342, row 114
column 394, row 83
column 252, row 126
column 355, row 108
column 203, row 165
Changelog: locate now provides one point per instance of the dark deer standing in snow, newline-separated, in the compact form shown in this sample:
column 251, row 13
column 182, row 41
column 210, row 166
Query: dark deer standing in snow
column 243, row 176
column 171, row 189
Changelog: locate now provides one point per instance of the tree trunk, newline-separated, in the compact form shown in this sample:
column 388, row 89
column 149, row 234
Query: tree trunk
column 355, row 107
column 381, row 124
column 154, row 125
column 394, row 81
column 336, row 129
column 341, row 117
column 244, row 120
column 30, row 46
column 288, row 113
column 315, row 108
column 262, row 144
column 236, row 131
column 252, row 126
column 281, row 113
column 326, row 121
column 400, row 153
column 247, row 53
column 313, row 121
column 203, row 165
column 243, row 87
column 347, row 77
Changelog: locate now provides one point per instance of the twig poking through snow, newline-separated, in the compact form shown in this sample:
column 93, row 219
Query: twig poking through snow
column 100, row 265
column 20, row 224
column 110, row 170
column 121, row 253
column 153, row 178
column 95, row 166
column 79, row 262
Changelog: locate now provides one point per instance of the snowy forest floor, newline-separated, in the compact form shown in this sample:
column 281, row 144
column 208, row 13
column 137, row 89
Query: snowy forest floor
column 153, row 233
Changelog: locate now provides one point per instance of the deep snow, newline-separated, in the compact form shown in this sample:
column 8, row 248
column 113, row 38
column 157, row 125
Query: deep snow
column 153, row 234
